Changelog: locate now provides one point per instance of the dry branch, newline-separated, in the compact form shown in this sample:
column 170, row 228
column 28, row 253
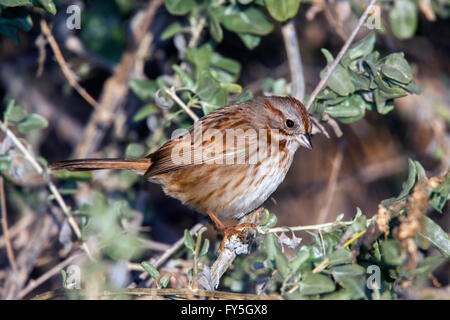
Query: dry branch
column 64, row 67
column 115, row 90
column 294, row 59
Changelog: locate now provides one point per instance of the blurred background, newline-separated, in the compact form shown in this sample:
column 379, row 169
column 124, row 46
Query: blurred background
column 366, row 165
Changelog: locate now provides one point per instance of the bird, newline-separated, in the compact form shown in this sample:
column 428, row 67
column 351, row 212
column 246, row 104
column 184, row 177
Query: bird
column 228, row 163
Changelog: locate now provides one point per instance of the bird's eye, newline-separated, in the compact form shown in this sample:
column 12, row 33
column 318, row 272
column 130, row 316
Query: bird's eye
column 289, row 123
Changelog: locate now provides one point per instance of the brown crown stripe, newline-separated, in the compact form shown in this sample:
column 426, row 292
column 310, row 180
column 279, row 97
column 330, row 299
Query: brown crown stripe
column 270, row 106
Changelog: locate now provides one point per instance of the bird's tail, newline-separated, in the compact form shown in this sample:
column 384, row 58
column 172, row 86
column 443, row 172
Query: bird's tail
column 139, row 165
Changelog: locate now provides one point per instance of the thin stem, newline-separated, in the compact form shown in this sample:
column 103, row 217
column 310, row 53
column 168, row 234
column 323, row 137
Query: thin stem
column 341, row 53
column 180, row 102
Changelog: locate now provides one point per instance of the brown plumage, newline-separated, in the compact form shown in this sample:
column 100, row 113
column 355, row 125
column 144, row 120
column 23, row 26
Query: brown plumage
column 229, row 162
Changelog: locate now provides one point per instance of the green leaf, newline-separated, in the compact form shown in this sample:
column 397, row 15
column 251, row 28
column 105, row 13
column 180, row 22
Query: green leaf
column 200, row 57
column 214, row 26
column 434, row 235
column 134, row 150
column 188, row 241
column 231, row 87
column 209, row 89
column 251, row 41
column 340, row 256
column 361, row 48
column 205, row 248
column 32, row 122
column 144, row 89
column 352, row 278
column 185, row 78
column 152, row 271
column 48, row 5
column 403, row 17
column 396, row 67
column 180, row 7
column 249, row 19
column 275, row 255
column 339, row 81
column 410, row 181
column 171, row 30
column 300, row 257
column 391, row 252
column 144, row 112
column 14, row 113
column 230, row 65
column 164, row 281
column 350, row 110
column 313, row 284
column 281, row 10
column 347, row 270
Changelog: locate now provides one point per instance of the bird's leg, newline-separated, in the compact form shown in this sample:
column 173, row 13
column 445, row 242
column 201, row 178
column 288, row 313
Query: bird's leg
column 228, row 231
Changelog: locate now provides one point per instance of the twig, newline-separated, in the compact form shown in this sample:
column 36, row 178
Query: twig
column 183, row 293
column 341, row 53
column 196, row 32
column 64, row 67
column 332, row 183
column 50, row 184
column 294, row 59
column 33, row 284
column 180, row 102
column 4, row 218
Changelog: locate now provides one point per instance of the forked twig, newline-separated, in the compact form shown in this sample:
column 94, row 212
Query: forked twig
column 180, row 102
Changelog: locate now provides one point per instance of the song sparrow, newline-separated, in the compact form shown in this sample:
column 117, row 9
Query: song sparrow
column 228, row 163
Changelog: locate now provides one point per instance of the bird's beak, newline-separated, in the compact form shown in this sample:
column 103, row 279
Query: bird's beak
column 305, row 141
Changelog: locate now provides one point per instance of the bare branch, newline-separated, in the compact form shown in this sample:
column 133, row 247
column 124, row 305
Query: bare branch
column 294, row 59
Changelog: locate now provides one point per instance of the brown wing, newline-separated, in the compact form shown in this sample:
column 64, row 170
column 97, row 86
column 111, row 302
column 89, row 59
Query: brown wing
column 211, row 146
